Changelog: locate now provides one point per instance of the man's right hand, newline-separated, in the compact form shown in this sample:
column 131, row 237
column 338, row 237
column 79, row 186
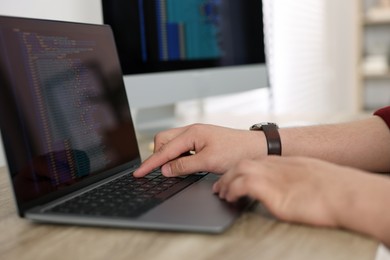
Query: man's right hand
column 214, row 149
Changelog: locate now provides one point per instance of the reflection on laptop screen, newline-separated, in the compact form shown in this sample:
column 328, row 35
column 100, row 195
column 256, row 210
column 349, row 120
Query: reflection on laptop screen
column 64, row 112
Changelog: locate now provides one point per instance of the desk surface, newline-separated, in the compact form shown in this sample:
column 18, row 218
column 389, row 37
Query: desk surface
column 253, row 236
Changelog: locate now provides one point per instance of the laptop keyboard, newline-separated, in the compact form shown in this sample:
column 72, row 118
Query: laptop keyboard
column 126, row 196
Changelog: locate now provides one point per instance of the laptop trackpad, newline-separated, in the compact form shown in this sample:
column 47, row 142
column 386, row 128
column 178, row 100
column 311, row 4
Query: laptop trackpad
column 195, row 208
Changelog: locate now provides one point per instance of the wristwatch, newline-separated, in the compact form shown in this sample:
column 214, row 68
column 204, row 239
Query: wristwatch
column 272, row 136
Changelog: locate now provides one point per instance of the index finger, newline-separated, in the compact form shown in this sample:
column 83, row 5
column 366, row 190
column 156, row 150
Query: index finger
column 171, row 150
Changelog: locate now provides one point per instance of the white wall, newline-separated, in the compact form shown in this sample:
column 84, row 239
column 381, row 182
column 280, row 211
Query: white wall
column 88, row 11
column 313, row 55
column 343, row 36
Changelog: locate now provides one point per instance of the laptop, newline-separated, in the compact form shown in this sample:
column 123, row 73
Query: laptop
column 70, row 142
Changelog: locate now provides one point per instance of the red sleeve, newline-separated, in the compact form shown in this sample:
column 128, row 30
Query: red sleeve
column 384, row 113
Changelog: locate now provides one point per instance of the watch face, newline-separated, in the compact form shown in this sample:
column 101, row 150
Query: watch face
column 259, row 126
column 256, row 127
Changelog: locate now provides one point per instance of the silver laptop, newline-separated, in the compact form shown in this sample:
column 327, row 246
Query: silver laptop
column 69, row 137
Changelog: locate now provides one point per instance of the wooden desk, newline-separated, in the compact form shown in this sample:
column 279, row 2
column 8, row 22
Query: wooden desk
column 253, row 236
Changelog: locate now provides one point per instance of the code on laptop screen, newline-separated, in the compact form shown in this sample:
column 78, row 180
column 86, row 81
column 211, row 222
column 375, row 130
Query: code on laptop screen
column 64, row 112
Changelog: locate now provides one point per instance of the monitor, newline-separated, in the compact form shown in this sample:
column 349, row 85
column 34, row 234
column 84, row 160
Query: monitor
column 176, row 50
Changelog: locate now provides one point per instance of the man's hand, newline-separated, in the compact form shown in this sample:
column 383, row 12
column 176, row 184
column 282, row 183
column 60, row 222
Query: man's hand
column 214, row 149
column 314, row 192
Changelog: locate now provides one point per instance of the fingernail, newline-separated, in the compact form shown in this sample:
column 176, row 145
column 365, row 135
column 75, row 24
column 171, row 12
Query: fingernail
column 166, row 170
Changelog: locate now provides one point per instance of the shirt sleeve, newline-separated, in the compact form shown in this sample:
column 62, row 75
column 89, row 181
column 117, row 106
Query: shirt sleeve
column 384, row 113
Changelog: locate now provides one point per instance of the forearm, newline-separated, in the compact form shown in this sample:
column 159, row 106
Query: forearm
column 361, row 144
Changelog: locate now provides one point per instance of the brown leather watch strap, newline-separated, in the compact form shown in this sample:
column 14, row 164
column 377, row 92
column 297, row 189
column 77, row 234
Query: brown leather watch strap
column 274, row 144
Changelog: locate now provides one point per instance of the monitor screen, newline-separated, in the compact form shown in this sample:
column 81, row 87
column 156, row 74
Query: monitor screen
column 178, row 50
column 172, row 35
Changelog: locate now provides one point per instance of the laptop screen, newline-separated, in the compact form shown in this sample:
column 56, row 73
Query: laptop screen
column 64, row 113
